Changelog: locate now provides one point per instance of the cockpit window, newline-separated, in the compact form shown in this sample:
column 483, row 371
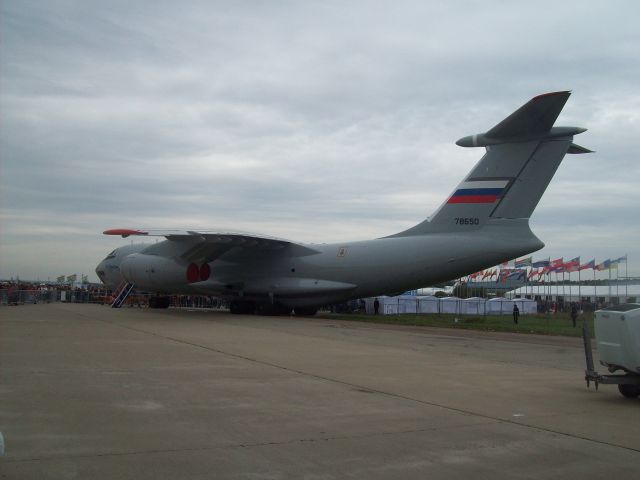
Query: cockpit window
column 111, row 255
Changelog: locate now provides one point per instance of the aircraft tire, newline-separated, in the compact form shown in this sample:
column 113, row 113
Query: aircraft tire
column 242, row 308
column 306, row 311
column 159, row 302
column 629, row 390
column 272, row 309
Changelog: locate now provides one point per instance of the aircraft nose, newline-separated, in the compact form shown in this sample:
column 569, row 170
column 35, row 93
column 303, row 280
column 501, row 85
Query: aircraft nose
column 100, row 271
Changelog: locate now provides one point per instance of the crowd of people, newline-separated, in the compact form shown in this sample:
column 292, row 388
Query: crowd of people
column 20, row 292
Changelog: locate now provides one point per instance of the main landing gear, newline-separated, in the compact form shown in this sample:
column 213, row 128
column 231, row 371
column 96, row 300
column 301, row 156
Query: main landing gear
column 245, row 307
column 159, row 302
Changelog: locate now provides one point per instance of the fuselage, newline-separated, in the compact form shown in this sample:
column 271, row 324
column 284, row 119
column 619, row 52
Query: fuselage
column 336, row 272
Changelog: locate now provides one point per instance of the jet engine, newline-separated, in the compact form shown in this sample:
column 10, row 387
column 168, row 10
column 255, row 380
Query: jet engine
column 156, row 272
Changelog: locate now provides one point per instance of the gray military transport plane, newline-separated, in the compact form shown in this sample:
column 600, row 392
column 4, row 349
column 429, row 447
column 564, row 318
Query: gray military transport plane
column 485, row 221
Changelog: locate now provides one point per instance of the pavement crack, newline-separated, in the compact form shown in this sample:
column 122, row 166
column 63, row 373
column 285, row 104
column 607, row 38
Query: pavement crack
column 373, row 390
column 293, row 441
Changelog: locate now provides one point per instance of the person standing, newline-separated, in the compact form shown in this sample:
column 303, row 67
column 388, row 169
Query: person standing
column 574, row 313
column 516, row 313
column 376, row 306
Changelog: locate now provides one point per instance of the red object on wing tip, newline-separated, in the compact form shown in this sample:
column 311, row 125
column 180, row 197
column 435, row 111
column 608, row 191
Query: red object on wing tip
column 125, row 232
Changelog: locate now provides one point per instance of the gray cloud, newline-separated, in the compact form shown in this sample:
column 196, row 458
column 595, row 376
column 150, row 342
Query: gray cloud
column 315, row 122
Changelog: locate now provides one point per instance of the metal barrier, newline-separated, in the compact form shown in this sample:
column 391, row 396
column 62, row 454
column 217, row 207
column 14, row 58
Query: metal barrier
column 103, row 297
column 21, row 297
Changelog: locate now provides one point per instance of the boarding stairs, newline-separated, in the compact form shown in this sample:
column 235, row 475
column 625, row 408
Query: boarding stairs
column 120, row 294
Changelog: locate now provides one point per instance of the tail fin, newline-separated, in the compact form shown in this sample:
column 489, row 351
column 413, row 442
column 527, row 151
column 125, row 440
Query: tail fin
column 523, row 153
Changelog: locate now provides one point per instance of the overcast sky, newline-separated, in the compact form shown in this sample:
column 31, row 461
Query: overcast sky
column 312, row 121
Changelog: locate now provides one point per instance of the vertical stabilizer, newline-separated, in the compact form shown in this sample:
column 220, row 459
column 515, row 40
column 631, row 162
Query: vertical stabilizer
column 523, row 153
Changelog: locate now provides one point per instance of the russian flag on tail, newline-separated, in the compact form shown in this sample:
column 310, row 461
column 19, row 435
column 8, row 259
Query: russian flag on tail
column 478, row 191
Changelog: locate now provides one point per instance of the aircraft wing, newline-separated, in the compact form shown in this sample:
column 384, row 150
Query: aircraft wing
column 207, row 245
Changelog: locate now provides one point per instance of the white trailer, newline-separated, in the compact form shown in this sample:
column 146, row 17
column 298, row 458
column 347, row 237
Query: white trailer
column 617, row 330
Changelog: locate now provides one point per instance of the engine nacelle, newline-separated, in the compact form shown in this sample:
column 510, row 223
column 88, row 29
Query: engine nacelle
column 156, row 272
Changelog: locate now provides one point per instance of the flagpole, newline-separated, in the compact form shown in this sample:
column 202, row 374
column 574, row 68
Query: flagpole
column 595, row 286
column 626, row 276
column 609, row 283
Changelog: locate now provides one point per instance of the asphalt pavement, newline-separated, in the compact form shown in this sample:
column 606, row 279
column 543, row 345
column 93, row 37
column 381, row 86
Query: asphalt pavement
column 87, row 391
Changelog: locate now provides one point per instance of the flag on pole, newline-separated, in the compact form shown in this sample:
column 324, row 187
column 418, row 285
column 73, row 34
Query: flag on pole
column 514, row 274
column 60, row 279
column 555, row 266
column 620, row 260
column 606, row 265
column 523, row 262
column 591, row 265
column 503, row 275
column 72, row 278
column 541, row 263
column 487, row 273
column 572, row 265
column 558, row 269
column 532, row 274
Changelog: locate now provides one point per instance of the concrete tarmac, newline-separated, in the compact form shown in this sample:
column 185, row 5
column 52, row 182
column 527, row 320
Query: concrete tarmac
column 87, row 391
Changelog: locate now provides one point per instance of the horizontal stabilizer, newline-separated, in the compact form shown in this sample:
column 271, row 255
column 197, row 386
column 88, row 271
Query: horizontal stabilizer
column 574, row 148
column 532, row 121
column 535, row 117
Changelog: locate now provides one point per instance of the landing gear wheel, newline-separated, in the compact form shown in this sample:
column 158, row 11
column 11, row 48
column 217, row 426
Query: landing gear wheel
column 159, row 302
column 242, row 308
column 306, row 311
column 629, row 390
column 272, row 309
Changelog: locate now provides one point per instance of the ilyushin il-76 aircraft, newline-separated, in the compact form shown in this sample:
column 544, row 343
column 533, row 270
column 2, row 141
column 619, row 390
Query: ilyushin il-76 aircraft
column 484, row 222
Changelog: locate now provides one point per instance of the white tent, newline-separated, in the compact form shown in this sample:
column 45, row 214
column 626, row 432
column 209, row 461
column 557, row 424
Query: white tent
column 428, row 304
column 473, row 306
column 407, row 304
column 499, row 306
column 450, row 305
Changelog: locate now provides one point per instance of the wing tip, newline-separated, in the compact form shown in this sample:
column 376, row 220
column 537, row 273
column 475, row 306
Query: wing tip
column 124, row 232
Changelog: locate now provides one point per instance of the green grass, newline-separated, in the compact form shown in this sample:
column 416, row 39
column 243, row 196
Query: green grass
column 558, row 324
